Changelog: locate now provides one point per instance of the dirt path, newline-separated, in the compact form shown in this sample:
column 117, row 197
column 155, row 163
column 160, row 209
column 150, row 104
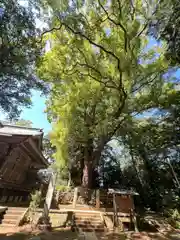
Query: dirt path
column 67, row 234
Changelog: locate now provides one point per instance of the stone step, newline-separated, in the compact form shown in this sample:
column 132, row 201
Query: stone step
column 9, row 221
column 10, row 216
column 55, row 217
column 93, row 214
column 9, row 225
column 92, row 229
column 93, row 221
column 88, row 218
column 17, row 208
column 15, row 214
column 89, row 222
column 89, row 226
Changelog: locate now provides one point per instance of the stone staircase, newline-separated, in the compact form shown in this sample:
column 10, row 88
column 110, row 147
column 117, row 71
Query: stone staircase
column 88, row 222
column 12, row 216
column 60, row 219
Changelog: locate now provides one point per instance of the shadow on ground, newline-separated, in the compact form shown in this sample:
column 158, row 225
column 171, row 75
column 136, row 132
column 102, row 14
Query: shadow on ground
column 69, row 235
column 55, row 235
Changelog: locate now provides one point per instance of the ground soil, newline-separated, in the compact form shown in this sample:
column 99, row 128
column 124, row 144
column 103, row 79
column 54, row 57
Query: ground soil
column 27, row 233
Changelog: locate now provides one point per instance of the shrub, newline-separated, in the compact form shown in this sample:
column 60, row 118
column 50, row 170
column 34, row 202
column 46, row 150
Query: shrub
column 63, row 188
column 34, row 204
column 174, row 217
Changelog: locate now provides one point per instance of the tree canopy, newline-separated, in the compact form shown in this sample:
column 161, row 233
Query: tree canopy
column 18, row 52
column 104, row 71
column 166, row 26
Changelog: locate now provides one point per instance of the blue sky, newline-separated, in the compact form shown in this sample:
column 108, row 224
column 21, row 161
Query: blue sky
column 36, row 113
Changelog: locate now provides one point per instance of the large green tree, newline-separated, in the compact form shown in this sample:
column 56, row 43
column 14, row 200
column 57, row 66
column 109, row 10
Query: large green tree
column 154, row 145
column 103, row 72
column 18, row 52
column 166, row 26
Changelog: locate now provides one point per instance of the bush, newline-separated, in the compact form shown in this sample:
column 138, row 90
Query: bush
column 174, row 217
column 63, row 188
column 34, row 204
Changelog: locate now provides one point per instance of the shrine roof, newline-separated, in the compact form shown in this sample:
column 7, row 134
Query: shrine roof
column 8, row 129
column 31, row 138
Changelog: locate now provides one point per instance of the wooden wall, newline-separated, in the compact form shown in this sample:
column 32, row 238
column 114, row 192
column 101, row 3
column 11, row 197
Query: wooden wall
column 15, row 166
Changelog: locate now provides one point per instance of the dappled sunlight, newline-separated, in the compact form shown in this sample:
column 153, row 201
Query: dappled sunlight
column 40, row 235
column 67, row 234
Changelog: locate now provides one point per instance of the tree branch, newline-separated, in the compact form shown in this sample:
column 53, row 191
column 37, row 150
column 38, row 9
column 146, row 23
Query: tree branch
column 72, row 69
column 121, row 106
column 117, row 24
column 97, row 80
column 95, row 69
column 120, row 10
column 115, row 129
column 120, row 87
column 133, row 8
column 102, row 48
column 144, row 83
column 143, row 29
column 90, row 41
column 48, row 31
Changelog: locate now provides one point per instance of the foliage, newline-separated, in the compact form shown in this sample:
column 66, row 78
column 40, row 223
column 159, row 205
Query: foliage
column 110, row 173
column 153, row 145
column 174, row 217
column 34, row 204
column 48, row 149
column 166, row 26
column 18, row 52
column 103, row 71
column 62, row 188
column 23, row 123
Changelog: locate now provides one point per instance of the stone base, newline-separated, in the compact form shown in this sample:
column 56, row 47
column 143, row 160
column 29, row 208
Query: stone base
column 44, row 227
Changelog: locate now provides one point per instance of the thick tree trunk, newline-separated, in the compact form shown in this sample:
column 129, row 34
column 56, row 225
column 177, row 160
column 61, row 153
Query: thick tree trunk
column 88, row 165
column 135, row 165
column 87, row 175
column 91, row 161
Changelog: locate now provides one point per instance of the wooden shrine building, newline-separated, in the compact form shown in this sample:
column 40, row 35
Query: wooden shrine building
column 20, row 160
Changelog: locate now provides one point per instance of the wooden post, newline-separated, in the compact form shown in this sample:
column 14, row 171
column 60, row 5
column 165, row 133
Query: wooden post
column 173, row 172
column 49, row 197
column 134, row 220
column 75, row 197
column 97, row 198
column 57, row 197
column 115, row 210
column 69, row 180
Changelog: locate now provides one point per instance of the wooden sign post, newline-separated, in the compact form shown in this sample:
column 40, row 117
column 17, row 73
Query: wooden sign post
column 49, row 197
